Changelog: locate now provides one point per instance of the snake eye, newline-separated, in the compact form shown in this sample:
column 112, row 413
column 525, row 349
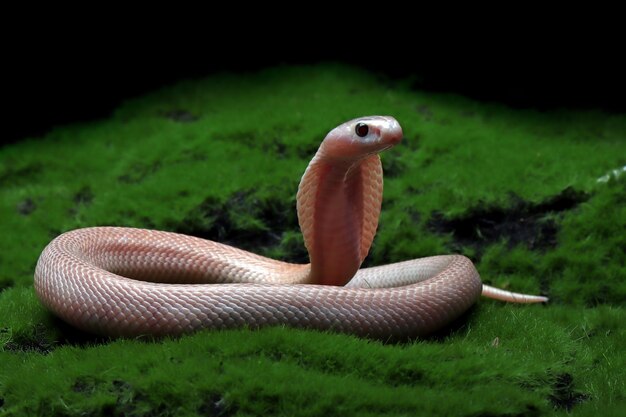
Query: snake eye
column 361, row 129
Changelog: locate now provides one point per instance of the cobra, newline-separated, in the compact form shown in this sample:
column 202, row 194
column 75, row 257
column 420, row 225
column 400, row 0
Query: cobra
column 128, row 282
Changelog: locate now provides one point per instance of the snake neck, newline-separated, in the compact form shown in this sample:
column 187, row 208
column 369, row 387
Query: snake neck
column 338, row 208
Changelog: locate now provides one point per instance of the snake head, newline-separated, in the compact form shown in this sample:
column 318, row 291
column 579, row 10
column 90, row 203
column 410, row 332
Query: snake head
column 361, row 137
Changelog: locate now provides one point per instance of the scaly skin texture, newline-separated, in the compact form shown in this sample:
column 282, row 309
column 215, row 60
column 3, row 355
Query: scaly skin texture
column 128, row 282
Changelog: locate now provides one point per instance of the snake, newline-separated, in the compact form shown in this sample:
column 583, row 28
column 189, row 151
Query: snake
column 132, row 282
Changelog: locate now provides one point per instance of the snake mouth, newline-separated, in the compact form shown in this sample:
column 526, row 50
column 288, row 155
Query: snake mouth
column 379, row 150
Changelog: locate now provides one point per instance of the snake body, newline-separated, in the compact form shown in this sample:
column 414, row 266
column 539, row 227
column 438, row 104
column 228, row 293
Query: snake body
column 127, row 282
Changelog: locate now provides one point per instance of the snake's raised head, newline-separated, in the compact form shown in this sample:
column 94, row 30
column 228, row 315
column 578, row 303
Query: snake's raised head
column 340, row 195
column 361, row 137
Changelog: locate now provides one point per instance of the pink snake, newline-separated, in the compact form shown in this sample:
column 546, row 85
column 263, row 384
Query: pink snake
column 129, row 282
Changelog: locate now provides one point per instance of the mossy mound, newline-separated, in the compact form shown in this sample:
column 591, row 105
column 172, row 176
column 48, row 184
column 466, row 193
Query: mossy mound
column 516, row 190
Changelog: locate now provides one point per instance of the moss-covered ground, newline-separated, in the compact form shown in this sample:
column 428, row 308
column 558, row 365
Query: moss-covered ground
column 516, row 190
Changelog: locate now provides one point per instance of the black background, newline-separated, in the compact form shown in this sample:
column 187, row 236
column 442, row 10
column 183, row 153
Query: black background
column 54, row 80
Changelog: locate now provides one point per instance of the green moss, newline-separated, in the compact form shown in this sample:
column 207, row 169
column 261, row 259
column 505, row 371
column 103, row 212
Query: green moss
column 222, row 157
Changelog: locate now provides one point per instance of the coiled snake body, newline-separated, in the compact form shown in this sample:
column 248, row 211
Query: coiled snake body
column 127, row 282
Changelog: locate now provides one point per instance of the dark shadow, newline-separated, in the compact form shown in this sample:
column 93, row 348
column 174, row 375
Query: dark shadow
column 521, row 223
